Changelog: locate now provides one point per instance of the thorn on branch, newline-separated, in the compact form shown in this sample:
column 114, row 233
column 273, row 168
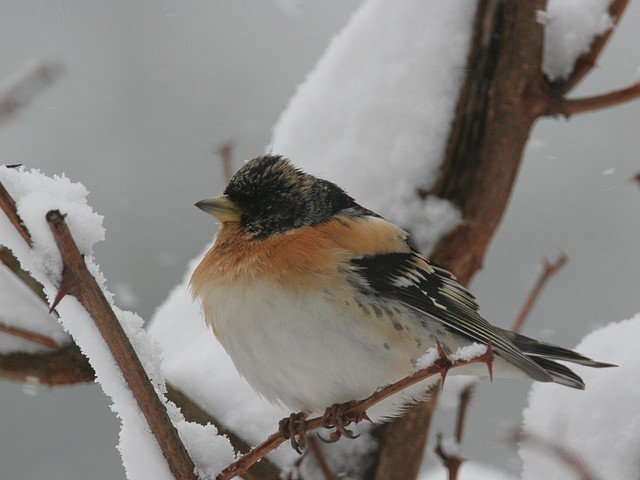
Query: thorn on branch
column 68, row 285
column 80, row 282
column 443, row 362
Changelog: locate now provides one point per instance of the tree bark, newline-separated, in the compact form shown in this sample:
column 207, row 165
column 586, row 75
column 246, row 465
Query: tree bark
column 496, row 110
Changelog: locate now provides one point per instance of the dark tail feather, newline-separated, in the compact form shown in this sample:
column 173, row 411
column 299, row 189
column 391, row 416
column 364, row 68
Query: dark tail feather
column 559, row 373
column 536, row 350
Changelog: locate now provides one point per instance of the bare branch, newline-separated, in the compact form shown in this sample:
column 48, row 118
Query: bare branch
column 562, row 453
column 11, row 262
column 81, row 284
column 465, row 399
column 548, row 271
column 20, row 91
column 30, row 336
column 226, row 156
column 8, row 205
column 321, row 458
column 571, row 106
column 66, row 366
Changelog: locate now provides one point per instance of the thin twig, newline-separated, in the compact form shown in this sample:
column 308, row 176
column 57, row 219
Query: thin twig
column 26, row 86
column 452, row 462
column 357, row 410
column 30, row 336
column 192, row 412
column 79, row 282
column 548, row 270
column 11, row 262
column 571, row 106
column 226, row 156
column 66, row 366
column 566, row 456
column 8, row 205
column 322, row 459
column 463, row 406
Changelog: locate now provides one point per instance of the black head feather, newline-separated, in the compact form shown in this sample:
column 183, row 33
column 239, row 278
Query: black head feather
column 275, row 196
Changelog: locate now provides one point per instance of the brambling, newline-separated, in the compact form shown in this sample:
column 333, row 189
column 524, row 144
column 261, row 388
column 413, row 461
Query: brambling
column 319, row 301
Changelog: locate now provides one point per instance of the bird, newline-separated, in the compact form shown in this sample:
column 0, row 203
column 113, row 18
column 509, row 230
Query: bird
column 320, row 301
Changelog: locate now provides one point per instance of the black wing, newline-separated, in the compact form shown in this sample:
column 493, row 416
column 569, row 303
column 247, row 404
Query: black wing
column 413, row 280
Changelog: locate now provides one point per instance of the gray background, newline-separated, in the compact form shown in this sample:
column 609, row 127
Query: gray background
column 153, row 87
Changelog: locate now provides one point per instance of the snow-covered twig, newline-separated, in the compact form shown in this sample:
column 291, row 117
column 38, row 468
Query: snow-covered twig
column 451, row 461
column 8, row 205
column 587, row 61
column 78, row 281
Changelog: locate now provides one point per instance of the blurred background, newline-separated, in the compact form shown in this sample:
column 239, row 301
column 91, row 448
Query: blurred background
column 152, row 89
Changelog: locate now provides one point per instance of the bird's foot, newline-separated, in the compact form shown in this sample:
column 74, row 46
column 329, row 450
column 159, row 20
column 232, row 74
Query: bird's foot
column 338, row 416
column 294, row 428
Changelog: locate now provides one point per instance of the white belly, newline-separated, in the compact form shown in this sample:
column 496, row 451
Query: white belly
column 306, row 353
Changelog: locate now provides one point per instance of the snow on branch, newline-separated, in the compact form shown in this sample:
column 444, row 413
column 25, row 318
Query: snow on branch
column 56, row 249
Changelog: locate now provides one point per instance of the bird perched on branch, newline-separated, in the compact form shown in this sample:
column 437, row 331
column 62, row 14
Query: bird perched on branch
column 319, row 301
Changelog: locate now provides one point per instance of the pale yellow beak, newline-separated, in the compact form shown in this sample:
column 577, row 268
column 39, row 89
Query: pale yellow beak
column 222, row 208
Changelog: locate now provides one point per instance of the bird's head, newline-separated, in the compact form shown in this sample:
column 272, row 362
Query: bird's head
column 269, row 195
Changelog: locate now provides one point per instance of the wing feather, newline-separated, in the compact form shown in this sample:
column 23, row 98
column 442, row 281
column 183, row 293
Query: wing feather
column 410, row 278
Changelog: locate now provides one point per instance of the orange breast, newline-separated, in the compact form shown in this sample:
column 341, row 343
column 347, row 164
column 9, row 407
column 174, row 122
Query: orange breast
column 304, row 257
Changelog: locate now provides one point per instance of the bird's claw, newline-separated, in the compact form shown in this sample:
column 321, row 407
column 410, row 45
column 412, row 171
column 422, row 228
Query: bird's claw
column 294, row 428
column 337, row 416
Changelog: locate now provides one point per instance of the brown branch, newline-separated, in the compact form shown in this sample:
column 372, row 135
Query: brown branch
column 11, row 262
column 588, row 60
column 81, row 284
column 8, row 205
column 226, row 156
column 321, row 458
column 29, row 335
column 357, row 409
column 572, row 106
column 566, row 456
column 66, row 366
column 548, row 271
column 192, row 412
column 465, row 399
column 451, row 462
column 26, row 87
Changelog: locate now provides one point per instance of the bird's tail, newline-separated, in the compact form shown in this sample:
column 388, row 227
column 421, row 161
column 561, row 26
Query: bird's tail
column 546, row 354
